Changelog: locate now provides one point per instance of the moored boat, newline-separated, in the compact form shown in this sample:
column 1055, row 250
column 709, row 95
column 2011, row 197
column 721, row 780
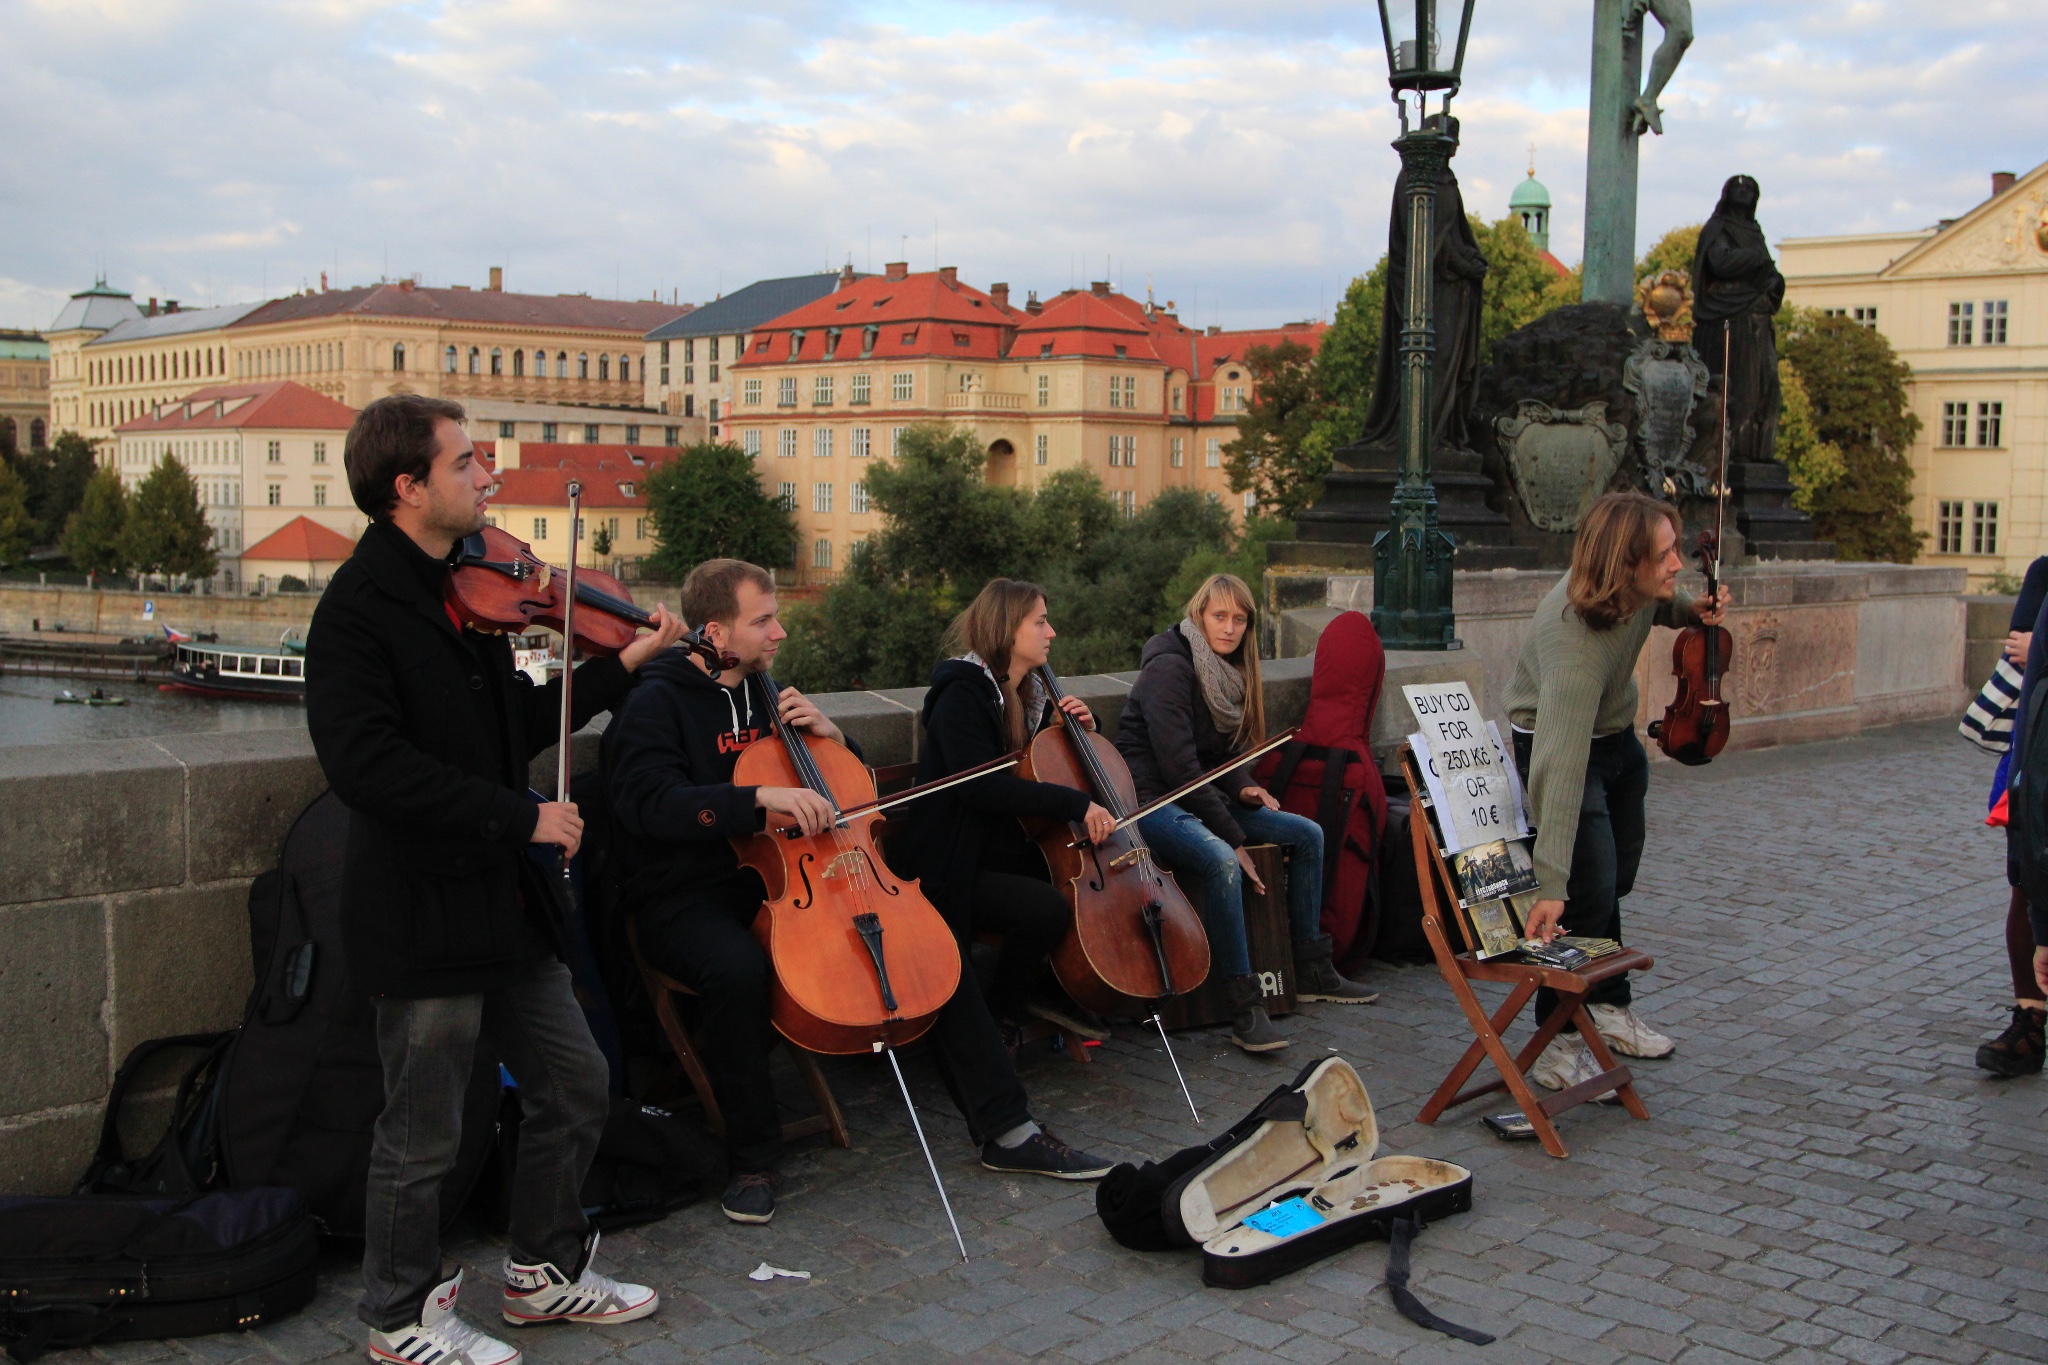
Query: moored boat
column 240, row 671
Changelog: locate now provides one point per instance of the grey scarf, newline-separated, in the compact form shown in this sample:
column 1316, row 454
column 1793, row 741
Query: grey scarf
column 1031, row 693
column 1222, row 684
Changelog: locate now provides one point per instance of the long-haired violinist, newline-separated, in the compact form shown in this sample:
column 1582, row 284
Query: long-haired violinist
column 1196, row 704
column 668, row 762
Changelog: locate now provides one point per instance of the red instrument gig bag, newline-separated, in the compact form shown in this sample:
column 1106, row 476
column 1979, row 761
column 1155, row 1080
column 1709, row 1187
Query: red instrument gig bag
column 1326, row 772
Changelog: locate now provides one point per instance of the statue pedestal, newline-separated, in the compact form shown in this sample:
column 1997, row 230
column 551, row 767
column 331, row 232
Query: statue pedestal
column 1760, row 507
column 1338, row 531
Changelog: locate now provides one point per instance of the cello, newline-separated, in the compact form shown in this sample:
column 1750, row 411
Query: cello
column 1695, row 725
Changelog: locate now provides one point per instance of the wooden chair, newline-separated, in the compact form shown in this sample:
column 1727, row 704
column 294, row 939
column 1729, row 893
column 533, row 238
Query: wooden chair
column 1461, row 969
column 664, row 989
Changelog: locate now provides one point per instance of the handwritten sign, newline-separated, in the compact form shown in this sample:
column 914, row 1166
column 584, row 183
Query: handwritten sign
column 1462, row 765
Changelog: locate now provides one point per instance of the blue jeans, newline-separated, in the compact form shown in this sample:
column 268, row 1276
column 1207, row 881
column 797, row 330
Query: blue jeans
column 1207, row 870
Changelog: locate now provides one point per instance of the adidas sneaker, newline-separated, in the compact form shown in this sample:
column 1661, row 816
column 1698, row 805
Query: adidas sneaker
column 440, row 1337
column 540, row 1292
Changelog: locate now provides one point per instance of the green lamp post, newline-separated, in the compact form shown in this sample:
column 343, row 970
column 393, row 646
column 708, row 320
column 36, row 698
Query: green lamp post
column 1411, row 580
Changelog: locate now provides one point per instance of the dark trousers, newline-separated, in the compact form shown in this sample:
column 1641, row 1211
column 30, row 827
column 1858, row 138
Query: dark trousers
column 1032, row 917
column 1607, row 852
column 705, row 942
column 427, row 1047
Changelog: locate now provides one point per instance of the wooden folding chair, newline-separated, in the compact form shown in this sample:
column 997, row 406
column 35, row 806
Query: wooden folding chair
column 1460, row 969
column 664, row 989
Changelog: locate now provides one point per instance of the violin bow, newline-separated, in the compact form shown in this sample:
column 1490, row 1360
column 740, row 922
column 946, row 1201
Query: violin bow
column 994, row 765
column 564, row 749
column 1204, row 780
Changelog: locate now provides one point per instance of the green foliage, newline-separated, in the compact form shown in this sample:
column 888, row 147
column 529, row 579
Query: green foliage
column 93, row 535
column 1069, row 513
column 1346, row 366
column 1856, row 387
column 601, row 543
column 943, row 523
column 1247, row 559
column 167, row 531
column 707, row 503
column 1272, row 455
column 1815, row 465
column 865, row 632
column 1520, row 285
column 16, row 525
column 2005, row 584
column 1108, row 599
column 1674, row 251
column 291, row 582
column 53, row 480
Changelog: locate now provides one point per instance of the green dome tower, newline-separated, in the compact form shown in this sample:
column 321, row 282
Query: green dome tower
column 1531, row 203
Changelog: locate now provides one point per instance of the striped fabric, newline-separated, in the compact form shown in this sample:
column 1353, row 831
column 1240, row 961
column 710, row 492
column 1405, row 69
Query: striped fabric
column 1988, row 722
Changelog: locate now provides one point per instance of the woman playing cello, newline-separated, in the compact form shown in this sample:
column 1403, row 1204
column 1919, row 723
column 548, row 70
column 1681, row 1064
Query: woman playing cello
column 1196, row 704
column 977, row 866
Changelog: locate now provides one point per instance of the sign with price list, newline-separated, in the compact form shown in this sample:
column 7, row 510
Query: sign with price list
column 1476, row 797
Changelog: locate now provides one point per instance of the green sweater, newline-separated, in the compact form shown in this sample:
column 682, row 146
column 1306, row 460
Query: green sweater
column 1571, row 685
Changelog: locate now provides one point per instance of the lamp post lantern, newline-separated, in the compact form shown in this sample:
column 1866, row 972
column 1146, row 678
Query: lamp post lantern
column 1411, row 581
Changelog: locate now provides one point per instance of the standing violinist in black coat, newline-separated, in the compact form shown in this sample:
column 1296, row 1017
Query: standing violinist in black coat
column 425, row 731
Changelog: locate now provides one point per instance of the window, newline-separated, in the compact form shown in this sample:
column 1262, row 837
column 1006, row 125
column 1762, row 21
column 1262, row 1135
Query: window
column 821, row 554
column 476, row 361
column 1126, row 501
column 632, row 433
column 319, row 495
column 1961, row 323
column 604, row 367
column 900, row 386
column 713, row 343
column 857, row 443
column 626, row 370
column 497, row 361
column 561, row 364
column 273, row 451
column 785, row 391
column 540, row 528
column 785, row 443
column 1130, row 391
column 639, row 528
column 751, row 443
column 714, row 412
column 1994, row 322
column 857, row 498
column 1230, row 398
column 1955, row 424
column 786, row 493
column 1990, row 424
column 1213, row 456
column 398, row 355
column 1043, row 452
column 821, row 497
column 1176, row 450
column 448, row 360
column 276, row 494
column 896, row 440
column 664, row 376
column 821, row 443
column 689, row 374
column 547, row 433
column 1865, row 314
column 1983, row 528
column 540, row 364
column 508, row 431
column 319, row 452
column 821, row 389
column 590, row 433
column 519, row 364
column 671, row 436
column 1045, row 391
column 1123, row 450
column 859, row 391
column 1116, row 392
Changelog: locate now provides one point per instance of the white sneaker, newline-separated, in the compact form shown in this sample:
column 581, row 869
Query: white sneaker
column 441, row 1338
column 1564, row 1063
column 537, row 1293
column 1627, row 1034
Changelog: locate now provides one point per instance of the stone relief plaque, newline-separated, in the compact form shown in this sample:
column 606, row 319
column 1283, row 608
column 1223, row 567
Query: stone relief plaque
column 1560, row 459
column 1668, row 379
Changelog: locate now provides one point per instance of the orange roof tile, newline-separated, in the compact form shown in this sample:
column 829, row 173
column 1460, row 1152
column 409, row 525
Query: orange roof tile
column 487, row 306
column 302, row 540
column 604, row 485
column 275, row 404
column 929, row 314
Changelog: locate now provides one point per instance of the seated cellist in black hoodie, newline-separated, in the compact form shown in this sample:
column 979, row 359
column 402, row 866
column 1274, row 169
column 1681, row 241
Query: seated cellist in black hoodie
column 973, row 859
column 668, row 763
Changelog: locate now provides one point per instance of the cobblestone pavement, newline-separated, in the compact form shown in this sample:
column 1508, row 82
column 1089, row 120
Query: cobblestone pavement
column 1824, row 1175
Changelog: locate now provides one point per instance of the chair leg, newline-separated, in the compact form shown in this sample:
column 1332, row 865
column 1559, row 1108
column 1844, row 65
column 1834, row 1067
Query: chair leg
column 679, row 1041
column 1448, row 1094
column 1597, row 1045
column 821, row 1095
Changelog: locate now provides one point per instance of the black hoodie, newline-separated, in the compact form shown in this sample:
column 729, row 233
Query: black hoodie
column 668, row 757
column 1169, row 737
column 963, row 727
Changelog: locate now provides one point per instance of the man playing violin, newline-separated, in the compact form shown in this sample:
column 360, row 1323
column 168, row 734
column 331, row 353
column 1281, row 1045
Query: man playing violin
column 425, row 731
column 668, row 763
column 1572, row 706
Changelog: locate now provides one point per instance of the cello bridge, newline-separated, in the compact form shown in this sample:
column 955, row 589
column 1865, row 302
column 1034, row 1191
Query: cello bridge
column 847, row 864
column 1131, row 856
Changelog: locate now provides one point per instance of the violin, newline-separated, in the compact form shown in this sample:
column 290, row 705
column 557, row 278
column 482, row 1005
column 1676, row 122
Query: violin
column 1695, row 724
column 498, row 584
column 1135, row 938
column 862, row 961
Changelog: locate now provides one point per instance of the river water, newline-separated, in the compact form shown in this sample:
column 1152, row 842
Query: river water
column 28, row 715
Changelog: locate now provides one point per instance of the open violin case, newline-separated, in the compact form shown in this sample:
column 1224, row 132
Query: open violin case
column 1295, row 1181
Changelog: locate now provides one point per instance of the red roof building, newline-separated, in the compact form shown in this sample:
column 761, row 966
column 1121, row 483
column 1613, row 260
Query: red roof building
column 300, row 541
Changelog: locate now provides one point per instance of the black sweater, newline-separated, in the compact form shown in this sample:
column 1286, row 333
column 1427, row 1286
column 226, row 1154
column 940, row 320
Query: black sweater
column 1169, row 738
column 424, row 732
column 947, row 834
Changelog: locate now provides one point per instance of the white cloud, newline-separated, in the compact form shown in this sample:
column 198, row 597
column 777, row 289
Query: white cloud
column 214, row 152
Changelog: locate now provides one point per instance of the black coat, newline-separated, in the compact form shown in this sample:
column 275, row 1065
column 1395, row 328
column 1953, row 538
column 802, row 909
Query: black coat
column 963, row 728
column 1168, row 738
column 425, row 733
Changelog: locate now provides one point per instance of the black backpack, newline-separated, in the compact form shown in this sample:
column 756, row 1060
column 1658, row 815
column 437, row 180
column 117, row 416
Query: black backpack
column 82, row 1271
column 649, row 1163
column 186, row 1159
column 301, row 1085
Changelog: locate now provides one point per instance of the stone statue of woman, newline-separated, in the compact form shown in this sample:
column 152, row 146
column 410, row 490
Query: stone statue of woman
column 1736, row 290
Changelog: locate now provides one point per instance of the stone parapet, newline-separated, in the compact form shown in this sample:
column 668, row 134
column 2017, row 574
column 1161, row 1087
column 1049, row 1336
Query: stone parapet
column 1988, row 618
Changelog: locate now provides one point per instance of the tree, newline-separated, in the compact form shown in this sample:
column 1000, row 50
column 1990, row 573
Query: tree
column 1815, row 464
column 943, row 523
column 1107, row 599
column 16, row 525
column 1272, row 455
column 1857, row 390
column 53, row 479
column 1675, row 250
column 1347, row 364
column 866, row 632
column 1247, row 559
column 707, row 503
column 93, row 537
column 167, row 531
column 601, row 543
column 1520, row 285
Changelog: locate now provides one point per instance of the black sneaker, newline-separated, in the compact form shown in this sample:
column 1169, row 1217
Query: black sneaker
column 750, row 1198
column 2018, row 1050
column 1044, row 1154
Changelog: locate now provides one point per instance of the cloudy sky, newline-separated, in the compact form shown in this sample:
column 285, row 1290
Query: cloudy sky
column 1232, row 156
